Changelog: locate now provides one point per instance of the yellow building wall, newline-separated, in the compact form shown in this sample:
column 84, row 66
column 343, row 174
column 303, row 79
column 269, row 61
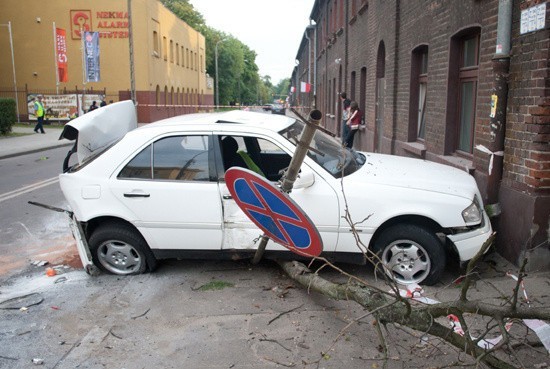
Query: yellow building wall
column 33, row 41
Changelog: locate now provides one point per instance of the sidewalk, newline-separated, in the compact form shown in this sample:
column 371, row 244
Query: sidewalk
column 33, row 142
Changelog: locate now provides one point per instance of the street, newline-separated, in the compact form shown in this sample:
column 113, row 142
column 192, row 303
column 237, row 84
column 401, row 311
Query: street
column 190, row 313
column 30, row 233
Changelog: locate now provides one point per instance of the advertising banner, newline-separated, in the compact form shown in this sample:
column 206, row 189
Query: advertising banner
column 87, row 100
column 57, row 107
column 91, row 56
column 61, row 52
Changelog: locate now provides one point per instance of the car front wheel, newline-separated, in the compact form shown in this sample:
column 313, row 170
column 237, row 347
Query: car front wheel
column 120, row 250
column 411, row 254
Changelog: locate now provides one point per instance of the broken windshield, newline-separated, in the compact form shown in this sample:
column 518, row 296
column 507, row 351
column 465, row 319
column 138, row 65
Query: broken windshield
column 327, row 151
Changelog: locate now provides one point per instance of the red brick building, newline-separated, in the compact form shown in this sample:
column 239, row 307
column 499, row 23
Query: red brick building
column 464, row 83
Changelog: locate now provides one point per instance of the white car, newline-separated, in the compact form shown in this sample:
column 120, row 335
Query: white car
column 158, row 191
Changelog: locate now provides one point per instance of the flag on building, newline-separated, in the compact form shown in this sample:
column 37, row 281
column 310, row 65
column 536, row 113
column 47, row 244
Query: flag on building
column 61, row 55
column 305, row 87
column 292, row 89
column 91, row 56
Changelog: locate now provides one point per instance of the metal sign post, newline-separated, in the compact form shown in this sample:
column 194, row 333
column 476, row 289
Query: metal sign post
column 293, row 169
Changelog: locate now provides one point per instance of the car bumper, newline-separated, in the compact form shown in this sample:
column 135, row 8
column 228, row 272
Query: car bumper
column 467, row 244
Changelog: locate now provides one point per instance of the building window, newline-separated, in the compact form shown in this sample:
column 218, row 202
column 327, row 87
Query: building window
column 363, row 91
column 182, row 57
column 418, row 93
column 351, row 93
column 463, row 79
column 172, row 96
column 171, row 51
column 165, row 48
column 157, row 96
column 177, row 54
column 187, row 57
column 165, row 95
column 156, row 46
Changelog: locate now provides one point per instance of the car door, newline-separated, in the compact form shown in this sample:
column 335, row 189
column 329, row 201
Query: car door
column 171, row 189
column 318, row 200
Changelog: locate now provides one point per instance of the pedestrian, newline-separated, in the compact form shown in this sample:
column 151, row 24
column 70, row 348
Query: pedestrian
column 93, row 106
column 39, row 112
column 103, row 103
column 354, row 120
column 345, row 115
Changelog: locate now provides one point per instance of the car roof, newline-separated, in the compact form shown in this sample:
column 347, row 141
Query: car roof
column 247, row 118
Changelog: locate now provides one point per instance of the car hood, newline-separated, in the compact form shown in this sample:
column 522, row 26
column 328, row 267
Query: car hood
column 100, row 128
column 402, row 172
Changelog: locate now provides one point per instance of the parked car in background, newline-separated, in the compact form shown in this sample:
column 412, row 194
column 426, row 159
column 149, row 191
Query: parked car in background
column 278, row 109
column 159, row 192
column 267, row 107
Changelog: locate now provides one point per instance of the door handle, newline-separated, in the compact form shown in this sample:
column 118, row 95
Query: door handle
column 137, row 195
column 227, row 197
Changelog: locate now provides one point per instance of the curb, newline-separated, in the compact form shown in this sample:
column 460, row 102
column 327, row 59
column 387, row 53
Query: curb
column 31, row 151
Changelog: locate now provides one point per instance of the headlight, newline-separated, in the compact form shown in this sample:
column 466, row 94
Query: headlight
column 472, row 214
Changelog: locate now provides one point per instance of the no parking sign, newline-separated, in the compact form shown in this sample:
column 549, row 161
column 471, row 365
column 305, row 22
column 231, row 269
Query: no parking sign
column 274, row 212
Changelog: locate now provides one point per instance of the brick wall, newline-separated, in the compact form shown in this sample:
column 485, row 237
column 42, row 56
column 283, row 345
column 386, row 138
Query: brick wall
column 523, row 192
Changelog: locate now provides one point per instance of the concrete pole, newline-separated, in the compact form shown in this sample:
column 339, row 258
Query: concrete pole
column 131, row 54
column 294, row 168
column 216, row 67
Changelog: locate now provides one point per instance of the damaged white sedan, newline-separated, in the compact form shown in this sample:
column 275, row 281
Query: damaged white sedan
column 158, row 191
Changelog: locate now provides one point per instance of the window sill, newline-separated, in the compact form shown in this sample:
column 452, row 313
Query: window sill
column 363, row 7
column 415, row 148
column 457, row 162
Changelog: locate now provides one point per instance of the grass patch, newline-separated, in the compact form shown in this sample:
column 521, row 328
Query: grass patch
column 215, row 286
column 15, row 134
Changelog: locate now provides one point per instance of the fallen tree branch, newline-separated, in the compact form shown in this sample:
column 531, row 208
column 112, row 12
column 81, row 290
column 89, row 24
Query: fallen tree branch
column 421, row 318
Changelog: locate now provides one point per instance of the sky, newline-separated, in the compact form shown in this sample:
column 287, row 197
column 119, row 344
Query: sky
column 273, row 29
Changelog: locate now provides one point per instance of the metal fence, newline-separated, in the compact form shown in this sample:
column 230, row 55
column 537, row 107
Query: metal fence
column 61, row 104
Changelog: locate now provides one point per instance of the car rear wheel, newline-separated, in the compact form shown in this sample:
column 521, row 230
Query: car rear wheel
column 120, row 250
column 411, row 254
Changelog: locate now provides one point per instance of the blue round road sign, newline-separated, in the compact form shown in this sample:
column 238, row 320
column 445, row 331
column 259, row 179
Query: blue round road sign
column 274, row 212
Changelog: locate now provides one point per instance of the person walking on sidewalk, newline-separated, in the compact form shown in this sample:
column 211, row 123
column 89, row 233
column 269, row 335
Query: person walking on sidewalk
column 39, row 112
column 353, row 123
column 93, row 106
column 345, row 115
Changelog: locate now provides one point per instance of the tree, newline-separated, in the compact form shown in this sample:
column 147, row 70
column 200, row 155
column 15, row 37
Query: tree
column 477, row 320
column 239, row 79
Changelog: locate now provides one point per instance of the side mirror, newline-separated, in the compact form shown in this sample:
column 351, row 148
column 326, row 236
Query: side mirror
column 305, row 179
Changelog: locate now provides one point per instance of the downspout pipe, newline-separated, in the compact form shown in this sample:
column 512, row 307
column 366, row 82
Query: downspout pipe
column 306, row 34
column 499, row 102
column 314, row 65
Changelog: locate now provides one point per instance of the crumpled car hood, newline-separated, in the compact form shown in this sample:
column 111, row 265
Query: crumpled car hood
column 100, row 128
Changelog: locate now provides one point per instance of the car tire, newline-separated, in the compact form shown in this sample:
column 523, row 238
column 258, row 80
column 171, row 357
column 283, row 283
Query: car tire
column 411, row 254
column 121, row 250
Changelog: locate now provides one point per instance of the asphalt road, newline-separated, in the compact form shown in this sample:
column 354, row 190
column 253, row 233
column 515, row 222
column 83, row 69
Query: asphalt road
column 28, row 232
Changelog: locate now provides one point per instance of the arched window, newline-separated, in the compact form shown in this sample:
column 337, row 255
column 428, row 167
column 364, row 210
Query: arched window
column 462, row 90
column 165, row 95
column 418, row 93
column 157, row 96
column 380, row 93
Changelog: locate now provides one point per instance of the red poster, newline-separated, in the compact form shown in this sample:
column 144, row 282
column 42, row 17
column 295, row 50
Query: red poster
column 61, row 50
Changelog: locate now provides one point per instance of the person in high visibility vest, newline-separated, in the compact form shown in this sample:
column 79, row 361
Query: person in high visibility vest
column 39, row 112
